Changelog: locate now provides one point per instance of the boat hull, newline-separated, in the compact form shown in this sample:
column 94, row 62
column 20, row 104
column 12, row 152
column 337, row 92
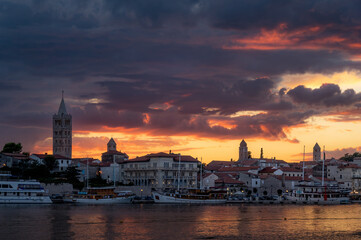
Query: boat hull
column 101, row 201
column 159, row 198
column 321, row 201
column 25, row 200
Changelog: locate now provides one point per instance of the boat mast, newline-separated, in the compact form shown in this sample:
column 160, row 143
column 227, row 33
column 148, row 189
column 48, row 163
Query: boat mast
column 201, row 176
column 179, row 160
column 87, row 174
column 114, row 170
column 323, row 167
column 303, row 167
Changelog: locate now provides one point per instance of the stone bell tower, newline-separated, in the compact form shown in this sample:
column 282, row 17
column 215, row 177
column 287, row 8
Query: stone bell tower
column 243, row 151
column 62, row 131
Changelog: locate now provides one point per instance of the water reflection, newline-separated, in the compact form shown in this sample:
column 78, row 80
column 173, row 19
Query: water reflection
column 180, row 222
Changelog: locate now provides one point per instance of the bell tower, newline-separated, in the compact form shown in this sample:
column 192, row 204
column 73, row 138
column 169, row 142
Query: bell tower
column 62, row 131
column 243, row 151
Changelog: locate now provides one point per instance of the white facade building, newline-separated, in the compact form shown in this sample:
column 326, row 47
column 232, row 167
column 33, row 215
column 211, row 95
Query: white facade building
column 161, row 171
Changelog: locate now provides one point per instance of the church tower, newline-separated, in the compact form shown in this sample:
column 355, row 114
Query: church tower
column 243, row 151
column 62, row 131
column 316, row 152
column 111, row 146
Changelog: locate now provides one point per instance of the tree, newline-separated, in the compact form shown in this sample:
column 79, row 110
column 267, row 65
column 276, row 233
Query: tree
column 50, row 162
column 72, row 174
column 12, row 148
column 350, row 157
column 36, row 172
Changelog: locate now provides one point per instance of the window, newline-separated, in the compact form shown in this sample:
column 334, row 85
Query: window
column 166, row 165
column 154, row 165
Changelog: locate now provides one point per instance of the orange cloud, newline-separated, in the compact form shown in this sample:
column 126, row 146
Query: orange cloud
column 280, row 38
column 228, row 124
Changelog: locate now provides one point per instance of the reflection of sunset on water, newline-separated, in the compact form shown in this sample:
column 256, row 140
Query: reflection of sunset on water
column 237, row 221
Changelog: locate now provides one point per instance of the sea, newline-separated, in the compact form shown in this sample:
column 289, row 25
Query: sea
column 152, row 221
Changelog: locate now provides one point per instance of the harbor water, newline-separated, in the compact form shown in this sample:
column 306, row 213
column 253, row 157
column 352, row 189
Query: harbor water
column 62, row 221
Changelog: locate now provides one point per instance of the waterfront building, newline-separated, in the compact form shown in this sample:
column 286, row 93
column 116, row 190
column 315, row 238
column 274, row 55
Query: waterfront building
column 112, row 155
column 88, row 167
column 161, row 171
column 62, row 162
column 62, row 131
column 12, row 159
column 346, row 175
column 292, row 172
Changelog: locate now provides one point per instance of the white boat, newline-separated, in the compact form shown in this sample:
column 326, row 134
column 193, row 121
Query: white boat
column 21, row 191
column 317, row 194
column 192, row 197
column 104, row 195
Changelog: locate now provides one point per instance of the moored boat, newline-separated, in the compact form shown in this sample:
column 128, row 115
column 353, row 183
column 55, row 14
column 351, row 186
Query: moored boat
column 318, row 194
column 191, row 197
column 21, row 192
column 103, row 195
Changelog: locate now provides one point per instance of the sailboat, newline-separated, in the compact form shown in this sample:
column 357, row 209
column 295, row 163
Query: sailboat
column 100, row 195
column 192, row 196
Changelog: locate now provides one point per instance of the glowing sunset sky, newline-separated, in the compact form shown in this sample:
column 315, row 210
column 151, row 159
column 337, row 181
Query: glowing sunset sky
column 195, row 77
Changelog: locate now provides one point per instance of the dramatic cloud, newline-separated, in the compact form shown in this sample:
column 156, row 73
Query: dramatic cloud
column 202, row 68
column 328, row 95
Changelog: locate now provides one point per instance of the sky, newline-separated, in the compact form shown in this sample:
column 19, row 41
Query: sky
column 194, row 77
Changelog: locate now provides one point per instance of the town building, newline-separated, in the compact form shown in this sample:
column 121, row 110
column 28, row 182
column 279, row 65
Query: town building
column 12, row 159
column 62, row 163
column 161, row 171
column 62, row 131
column 112, row 155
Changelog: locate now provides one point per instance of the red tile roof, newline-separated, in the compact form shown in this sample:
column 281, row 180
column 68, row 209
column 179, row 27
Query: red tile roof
column 248, row 162
column 288, row 169
column 228, row 180
column 237, row 169
column 146, row 158
column 56, row 156
column 268, row 170
column 19, row 156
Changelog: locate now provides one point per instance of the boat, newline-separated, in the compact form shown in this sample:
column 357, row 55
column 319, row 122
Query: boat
column 22, row 191
column 313, row 193
column 143, row 200
column 191, row 197
column 101, row 195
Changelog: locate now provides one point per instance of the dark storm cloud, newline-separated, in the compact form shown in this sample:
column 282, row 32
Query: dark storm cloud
column 328, row 95
column 269, row 125
column 168, row 59
column 91, row 117
column 190, row 96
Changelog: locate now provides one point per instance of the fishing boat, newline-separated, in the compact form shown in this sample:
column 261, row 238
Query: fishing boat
column 191, row 197
column 101, row 195
column 21, row 191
